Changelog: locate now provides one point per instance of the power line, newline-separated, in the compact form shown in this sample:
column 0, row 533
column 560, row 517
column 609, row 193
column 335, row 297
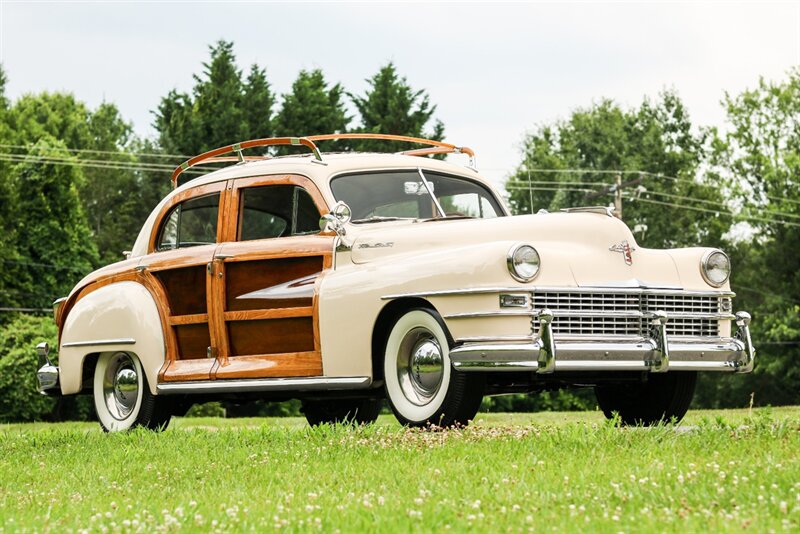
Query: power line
column 111, row 152
column 675, row 197
column 717, row 212
column 43, row 265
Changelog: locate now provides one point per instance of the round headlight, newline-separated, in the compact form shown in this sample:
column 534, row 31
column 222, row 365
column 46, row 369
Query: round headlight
column 523, row 262
column 716, row 267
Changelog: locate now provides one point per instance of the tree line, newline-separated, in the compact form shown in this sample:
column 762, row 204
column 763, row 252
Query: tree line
column 77, row 184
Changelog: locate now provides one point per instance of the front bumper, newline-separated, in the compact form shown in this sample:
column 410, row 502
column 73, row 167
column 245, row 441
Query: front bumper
column 656, row 353
column 48, row 374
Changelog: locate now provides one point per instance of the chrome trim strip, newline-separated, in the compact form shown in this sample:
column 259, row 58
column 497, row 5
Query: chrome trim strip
column 473, row 315
column 493, row 339
column 562, row 289
column 595, row 313
column 264, row 384
column 123, row 341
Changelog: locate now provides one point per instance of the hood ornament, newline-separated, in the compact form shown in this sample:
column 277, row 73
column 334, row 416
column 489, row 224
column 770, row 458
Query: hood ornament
column 626, row 249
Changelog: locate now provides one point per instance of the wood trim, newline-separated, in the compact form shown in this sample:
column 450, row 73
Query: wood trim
column 177, row 320
column 272, row 365
column 181, row 370
column 216, row 310
column 277, row 313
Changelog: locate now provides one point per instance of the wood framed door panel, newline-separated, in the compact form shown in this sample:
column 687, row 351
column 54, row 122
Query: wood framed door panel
column 183, row 277
column 270, row 312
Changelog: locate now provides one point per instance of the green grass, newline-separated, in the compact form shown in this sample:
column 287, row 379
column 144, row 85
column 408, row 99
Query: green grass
column 721, row 470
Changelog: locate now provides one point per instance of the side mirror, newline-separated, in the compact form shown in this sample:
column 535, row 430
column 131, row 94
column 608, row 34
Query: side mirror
column 336, row 219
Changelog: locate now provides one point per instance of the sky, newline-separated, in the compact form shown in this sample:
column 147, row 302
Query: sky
column 494, row 70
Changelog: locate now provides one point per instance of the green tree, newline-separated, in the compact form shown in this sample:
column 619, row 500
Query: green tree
column 312, row 108
column 573, row 162
column 392, row 106
column 760, row 155
column 7, row 228
column 222, row 109
column 100, row 142
column 53, row 238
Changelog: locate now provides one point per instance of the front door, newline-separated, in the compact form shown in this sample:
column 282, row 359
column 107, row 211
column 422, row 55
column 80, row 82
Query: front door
column 268, row 273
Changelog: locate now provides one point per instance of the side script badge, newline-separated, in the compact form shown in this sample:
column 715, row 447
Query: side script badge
column 626, row 250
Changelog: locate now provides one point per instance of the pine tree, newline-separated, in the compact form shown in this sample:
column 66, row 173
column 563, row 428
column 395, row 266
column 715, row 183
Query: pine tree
column 313, row 107
column 222, row 109
column 392, row 106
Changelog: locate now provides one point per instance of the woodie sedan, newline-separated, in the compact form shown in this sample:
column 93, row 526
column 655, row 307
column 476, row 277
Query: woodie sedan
column 346, row 279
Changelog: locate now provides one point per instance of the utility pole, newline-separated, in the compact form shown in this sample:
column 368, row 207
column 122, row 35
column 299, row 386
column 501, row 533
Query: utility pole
column 616, row 188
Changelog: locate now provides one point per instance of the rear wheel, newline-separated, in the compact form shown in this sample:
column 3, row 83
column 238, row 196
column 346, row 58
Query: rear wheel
column 664, row 397
column 346, row 411
column 421, row 386
column 122, row 397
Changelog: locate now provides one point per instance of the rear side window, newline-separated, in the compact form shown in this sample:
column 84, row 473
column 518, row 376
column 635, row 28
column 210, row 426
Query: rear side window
column 190, row 224
column 277, row 211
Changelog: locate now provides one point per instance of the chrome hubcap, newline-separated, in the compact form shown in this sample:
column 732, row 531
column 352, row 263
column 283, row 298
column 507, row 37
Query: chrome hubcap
column 420, row 366
column 120, row 386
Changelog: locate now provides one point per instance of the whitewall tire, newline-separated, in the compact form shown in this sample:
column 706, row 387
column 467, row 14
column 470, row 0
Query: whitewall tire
column 122, row 398
column 421, row 387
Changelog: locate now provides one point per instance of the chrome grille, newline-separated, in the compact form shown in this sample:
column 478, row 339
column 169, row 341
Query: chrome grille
column 628, row 313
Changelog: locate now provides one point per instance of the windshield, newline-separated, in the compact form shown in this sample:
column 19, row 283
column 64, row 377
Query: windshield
column 403, row 194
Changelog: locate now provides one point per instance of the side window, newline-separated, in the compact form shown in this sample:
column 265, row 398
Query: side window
column 190, row 223
column 277, row 211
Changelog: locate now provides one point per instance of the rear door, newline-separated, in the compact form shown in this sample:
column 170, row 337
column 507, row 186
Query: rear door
column 268, row 273
column 177, row 271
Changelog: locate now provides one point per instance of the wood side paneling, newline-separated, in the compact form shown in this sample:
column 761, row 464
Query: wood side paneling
column 185, row 288
column 193, row 341
column 284, row 282
column 271, row 336
column 188, row 370
column 272, row 365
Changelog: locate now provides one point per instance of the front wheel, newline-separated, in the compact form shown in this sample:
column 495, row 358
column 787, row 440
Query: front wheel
column 421, row 387
column 122, row 397
column 664, row 397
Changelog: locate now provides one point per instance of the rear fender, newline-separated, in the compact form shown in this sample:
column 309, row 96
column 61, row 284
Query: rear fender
column 117, row 317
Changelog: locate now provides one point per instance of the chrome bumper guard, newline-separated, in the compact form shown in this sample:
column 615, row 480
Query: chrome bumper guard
column 47, row 375
column 656, row 353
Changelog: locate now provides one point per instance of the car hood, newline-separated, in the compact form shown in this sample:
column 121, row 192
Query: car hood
column 593, row 247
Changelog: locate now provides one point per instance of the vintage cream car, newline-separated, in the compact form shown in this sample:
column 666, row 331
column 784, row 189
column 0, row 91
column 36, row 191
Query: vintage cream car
column 420, row 288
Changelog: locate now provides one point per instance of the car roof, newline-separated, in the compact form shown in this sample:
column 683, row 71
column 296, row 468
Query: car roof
column 332, row 164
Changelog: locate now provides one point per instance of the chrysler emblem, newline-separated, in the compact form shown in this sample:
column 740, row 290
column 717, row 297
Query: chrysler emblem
column 626, row 250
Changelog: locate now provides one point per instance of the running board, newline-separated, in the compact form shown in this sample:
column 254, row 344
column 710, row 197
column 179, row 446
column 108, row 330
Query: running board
column 263, row 384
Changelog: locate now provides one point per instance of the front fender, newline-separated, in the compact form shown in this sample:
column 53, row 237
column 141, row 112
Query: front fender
column 117, row 317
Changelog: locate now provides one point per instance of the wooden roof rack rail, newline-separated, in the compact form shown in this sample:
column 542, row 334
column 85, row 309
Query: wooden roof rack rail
column 434, row 147
column 216, row 155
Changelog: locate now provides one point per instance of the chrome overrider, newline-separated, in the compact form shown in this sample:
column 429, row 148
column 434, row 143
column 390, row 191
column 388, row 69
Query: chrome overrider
column 655, row 353
column 47, row 375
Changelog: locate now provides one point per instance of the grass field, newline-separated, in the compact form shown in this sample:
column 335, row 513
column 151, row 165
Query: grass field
column 721, row 470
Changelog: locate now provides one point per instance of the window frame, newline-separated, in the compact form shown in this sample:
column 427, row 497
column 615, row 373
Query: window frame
column 236, row 195
column 219, row 188
column 483, row 185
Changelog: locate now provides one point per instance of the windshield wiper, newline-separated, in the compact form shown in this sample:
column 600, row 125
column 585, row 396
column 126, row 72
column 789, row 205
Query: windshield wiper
column 378, row 218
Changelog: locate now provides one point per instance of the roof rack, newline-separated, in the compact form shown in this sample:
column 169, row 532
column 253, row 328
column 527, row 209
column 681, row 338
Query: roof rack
column 216, row 155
